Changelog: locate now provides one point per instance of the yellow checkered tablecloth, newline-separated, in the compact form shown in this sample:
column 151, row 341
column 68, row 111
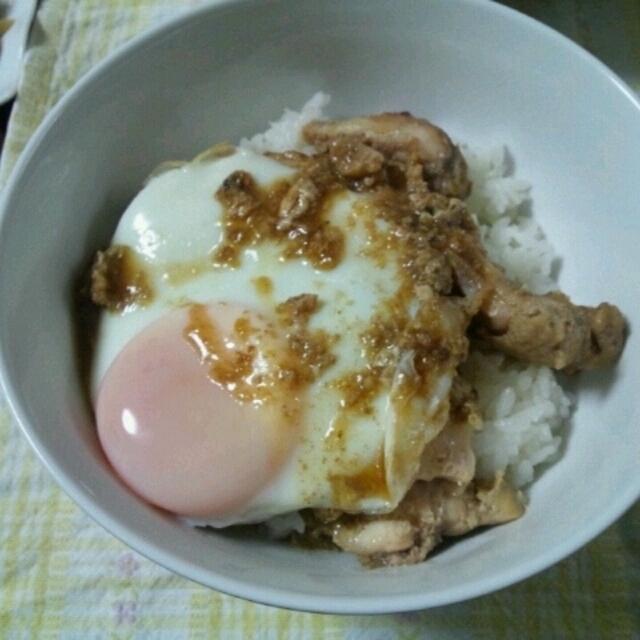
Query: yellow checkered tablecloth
column 62, row 576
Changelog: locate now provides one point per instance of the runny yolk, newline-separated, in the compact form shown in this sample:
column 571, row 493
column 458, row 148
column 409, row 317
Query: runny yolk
column 190, row 414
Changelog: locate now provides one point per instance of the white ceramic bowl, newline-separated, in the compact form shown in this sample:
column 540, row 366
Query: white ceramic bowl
column 485, row 73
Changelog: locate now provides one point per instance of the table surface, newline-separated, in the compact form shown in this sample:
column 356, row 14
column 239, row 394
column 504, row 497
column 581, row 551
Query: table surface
column 62, row 576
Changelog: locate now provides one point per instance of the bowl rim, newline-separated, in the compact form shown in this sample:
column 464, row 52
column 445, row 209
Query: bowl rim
column 241, row 587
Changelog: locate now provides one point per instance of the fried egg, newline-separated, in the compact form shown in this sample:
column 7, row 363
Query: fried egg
column 234, row 382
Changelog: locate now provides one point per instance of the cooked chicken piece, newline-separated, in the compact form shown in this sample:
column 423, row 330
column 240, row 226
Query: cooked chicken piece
column 453, row 181
column 418, row 190
column 306, row 193
column 301, row 198
column 390, row 133
column 398, row 136
column 435, row 272
column 497, row 502
column 541, row 329
column 455, row 236
column 443, row 509
column 346, row 162
column 429, row 512
column 353, row 159
column 608, row 333
column 377, row 536
column 356, row 152
column 449, row 456
column 239, row 194
column 549, row 329
column 118, row 280
column 411, row 179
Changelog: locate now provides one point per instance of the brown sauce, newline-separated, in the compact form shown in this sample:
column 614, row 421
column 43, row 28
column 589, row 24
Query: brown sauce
column 119, row 281
column 230, row 360
column 229, row 364
column 359, row 389
column 315, row 238
column 251, row 214
column 368, row 482
column 311, row 348
column 263, row 285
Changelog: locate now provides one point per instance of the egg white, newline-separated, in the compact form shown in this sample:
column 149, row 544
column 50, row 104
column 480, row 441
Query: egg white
column 174, row 224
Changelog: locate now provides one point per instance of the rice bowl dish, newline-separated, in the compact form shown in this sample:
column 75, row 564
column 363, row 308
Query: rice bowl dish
column 570, row 124
column 472, row 425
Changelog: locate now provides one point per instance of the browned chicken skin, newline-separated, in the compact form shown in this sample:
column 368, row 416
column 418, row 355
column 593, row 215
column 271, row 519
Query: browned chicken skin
column 401, row 138
column 544, row 329
column 549, row 329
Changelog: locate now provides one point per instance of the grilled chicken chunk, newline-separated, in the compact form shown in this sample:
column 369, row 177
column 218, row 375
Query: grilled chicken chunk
column 402, row 139
column 429, row 512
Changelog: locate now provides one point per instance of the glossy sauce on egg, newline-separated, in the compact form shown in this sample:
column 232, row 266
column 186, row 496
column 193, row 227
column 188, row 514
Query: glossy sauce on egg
column 254, row 381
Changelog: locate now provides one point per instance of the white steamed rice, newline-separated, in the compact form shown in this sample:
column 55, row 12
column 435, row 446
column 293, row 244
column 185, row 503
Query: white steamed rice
column 524, row 407
column 284, row 133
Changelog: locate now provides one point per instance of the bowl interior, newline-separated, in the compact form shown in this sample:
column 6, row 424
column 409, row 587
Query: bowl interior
column 484, row 73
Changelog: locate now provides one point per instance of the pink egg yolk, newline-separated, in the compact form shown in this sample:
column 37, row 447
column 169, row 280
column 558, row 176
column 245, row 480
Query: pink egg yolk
column 190, row 413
